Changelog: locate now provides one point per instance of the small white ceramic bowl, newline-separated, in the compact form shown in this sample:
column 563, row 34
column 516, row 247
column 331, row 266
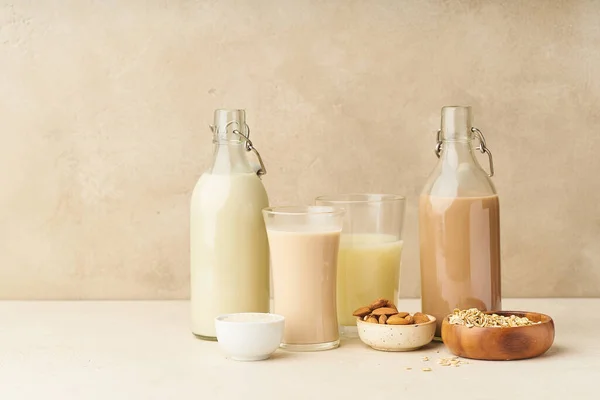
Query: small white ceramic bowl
column 396, row 337
column 249, row 336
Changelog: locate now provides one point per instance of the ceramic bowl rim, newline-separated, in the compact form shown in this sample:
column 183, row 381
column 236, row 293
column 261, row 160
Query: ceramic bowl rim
column 432, row 320
column 273, row 319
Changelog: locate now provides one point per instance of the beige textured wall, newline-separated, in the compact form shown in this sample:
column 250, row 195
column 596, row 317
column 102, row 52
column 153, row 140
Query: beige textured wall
column 105, row 106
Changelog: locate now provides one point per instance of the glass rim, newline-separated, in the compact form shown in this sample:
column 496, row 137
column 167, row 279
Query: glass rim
column 303, row 210
column 348, row 198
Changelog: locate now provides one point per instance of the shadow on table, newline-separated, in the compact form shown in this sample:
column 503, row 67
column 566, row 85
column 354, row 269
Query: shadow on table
column 281, row 355
column 557, row 350
column 433, row 345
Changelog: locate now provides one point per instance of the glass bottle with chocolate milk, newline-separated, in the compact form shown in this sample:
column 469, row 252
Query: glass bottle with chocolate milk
column 459, row 223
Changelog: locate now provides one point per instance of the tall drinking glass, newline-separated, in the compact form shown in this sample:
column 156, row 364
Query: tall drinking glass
column 304, row 245
column 370, row 251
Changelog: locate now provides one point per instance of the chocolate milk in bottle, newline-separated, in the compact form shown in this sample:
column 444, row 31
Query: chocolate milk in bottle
column 459, row 224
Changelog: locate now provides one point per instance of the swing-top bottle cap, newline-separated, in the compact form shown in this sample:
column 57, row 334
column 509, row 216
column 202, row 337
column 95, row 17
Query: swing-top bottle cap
column 230, row 126
column 228, row 120
column 457, row 122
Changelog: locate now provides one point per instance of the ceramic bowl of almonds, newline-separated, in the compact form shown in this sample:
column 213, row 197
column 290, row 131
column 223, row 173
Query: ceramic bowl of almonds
column 497, row 335
column 381, row 326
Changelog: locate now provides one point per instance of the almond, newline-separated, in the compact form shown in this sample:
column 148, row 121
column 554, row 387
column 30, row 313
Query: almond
column 402, row 314
column 391, row 304
column 378, row 304
column 384, row 310
column 420, row 318
column 396, row 320
column 382, row 319
column 361, row 312
column 372, row 320
column 409, row 319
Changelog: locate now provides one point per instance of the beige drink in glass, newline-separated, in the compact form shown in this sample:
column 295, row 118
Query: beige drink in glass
column 304, row 245
column 370, row 251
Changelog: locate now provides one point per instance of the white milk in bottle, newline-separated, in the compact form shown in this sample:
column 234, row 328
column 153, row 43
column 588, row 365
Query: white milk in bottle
column 229, row 250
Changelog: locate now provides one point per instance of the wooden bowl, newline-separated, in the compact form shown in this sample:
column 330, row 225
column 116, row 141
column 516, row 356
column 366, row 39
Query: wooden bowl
column 514, row 343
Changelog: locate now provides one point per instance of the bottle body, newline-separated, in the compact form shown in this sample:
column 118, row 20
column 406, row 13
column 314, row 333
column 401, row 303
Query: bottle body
column 229, row 251
column 459, row 231
column 460, row 254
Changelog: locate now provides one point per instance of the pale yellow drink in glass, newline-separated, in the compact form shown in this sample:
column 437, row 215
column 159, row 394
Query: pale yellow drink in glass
column 368, row 268
column 370, row 251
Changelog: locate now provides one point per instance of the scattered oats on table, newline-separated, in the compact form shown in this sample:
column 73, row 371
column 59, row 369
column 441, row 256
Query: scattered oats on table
column 426, row 369
column 451, row 361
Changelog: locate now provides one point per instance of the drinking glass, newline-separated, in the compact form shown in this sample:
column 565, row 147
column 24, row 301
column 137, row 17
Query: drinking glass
column 304, row 244
column 370, row 251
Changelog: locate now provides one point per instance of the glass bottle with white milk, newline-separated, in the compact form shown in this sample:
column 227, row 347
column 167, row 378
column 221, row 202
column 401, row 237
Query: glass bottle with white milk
column 229, row 250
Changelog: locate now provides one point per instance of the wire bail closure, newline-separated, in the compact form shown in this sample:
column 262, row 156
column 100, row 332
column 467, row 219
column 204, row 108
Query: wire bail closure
column 482, row 147
column 248, row 145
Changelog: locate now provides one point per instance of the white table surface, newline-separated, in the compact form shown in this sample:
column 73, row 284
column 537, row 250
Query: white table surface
column 144, row 350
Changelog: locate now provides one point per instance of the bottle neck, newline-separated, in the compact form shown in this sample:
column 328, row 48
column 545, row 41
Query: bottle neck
column 229, row 133
column 456, row 152
column 456, row 136
column 230, row 157
column 458, row 172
